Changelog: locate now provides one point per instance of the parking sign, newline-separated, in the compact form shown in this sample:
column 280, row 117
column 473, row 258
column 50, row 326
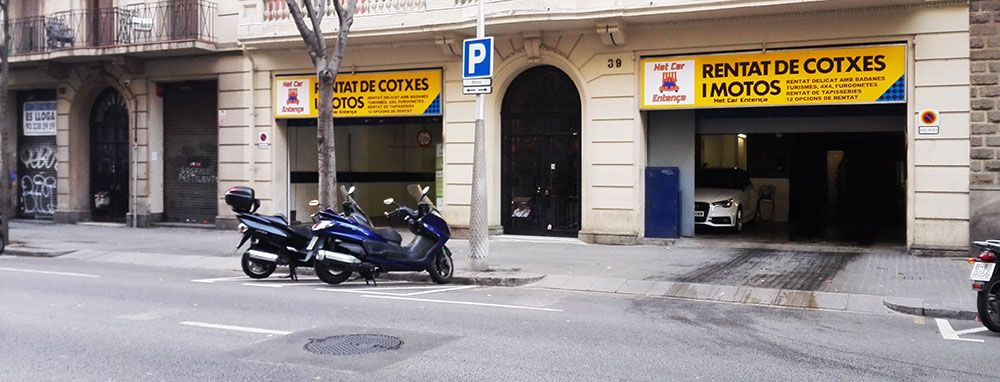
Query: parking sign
column 477, row 58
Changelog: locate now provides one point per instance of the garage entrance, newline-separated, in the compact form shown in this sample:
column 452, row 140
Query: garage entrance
column 828, row 173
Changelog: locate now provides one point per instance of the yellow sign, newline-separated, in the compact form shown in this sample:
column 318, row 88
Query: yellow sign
column 859, row 75
column 382, row 94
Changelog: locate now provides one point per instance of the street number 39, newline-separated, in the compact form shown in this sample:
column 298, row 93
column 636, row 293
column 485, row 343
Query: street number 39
column 614, row 63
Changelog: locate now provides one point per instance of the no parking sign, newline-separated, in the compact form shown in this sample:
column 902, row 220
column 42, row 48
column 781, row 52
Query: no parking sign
column 927, row 122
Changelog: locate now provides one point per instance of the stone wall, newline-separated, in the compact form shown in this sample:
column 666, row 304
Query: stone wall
column 984, row 49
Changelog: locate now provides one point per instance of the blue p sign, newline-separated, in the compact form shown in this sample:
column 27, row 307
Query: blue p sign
column 477, row 58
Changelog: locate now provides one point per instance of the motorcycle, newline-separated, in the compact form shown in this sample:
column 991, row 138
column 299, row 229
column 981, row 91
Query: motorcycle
column 987, row 283
column 341, row 245
column 273, row 241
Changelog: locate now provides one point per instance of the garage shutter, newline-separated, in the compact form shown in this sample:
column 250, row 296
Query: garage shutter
column 191, row 152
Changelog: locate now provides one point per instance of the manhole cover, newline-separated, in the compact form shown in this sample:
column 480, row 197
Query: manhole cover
column 352, row 344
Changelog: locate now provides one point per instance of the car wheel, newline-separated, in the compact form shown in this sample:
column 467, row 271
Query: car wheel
column 738, row 224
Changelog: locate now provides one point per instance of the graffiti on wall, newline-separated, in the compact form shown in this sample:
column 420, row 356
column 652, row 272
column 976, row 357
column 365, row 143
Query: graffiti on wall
column 38, row 180
column 38, row 194
column 39, row 157
column 195, row 173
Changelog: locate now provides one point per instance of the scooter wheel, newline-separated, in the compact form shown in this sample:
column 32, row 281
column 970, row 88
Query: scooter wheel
column 256, row 269
column 331, row 275
column 442, row 269
column 988, row 304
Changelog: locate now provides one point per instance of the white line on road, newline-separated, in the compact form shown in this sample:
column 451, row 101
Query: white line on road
column 440, row 290
column 210, row 281
column 49, row 272
column 462, row 303
column 948, row 333
column 970, row 331
column 277, row 285
column 244, row 329
column 385, row 291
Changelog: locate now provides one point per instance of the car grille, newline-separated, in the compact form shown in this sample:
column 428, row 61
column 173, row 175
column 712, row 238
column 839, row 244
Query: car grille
column 703, row 207
column 724, row 220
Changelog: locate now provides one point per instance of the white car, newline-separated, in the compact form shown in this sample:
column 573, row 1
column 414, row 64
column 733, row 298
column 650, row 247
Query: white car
column 724, row 198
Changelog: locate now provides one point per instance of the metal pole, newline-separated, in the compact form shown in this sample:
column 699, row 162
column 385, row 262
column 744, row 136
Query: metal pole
column 479, row 235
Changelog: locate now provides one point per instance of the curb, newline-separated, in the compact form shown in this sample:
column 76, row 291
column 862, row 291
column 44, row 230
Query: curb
column 787, row 298
column 33, row 252
column 917, row 307
column 469, row 279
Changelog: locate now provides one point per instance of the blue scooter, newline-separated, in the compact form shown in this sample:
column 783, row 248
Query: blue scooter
column 341, row 244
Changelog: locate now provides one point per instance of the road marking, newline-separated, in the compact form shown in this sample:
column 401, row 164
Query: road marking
column 49, row 272
column 970, row 331
column 948, row 333
column 440, row 290
column 462, row 303
column 382, row 291
column 280, row 285
column 210, row 281
column 263, row 285
column 244, row 329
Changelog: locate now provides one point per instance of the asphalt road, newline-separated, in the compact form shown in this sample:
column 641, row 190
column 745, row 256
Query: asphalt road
column 71, row 320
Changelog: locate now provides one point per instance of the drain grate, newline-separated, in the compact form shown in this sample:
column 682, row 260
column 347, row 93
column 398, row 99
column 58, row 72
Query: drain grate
column 352, row 344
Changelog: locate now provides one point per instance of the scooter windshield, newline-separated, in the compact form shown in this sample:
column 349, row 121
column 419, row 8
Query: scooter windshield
column 420, row 194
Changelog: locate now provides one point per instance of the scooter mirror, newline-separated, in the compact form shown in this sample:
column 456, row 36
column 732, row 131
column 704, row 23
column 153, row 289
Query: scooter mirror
column 350, row 191
column 389, row 201
column 313, row 203
column 425, row 190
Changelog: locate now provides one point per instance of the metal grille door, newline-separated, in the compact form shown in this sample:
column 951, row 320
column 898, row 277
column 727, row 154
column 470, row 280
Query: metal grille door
column 109, row 155
column 541, row 155
column 191, row 152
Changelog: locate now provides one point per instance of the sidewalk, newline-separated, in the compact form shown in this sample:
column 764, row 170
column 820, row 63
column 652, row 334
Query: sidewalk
column 760, row 273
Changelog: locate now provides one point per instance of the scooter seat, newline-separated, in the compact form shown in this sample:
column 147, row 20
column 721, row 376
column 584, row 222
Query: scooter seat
column 277, row 219
column 389, row 234
column 304, row 230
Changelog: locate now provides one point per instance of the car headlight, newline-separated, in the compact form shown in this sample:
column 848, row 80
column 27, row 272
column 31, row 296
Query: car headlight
column 321, row 225
column 724, row 203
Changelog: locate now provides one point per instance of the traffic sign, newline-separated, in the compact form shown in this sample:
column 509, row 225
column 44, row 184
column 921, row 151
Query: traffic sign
column 927, row 122
column 477, row 82
column 477, row 58
column 477, row 90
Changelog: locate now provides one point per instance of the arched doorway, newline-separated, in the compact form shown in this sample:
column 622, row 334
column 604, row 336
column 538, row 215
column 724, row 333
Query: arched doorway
column 540, row 154
column 109, row 154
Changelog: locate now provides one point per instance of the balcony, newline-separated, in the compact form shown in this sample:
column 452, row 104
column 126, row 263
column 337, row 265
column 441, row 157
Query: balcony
column 268, row 22
column 139, row 28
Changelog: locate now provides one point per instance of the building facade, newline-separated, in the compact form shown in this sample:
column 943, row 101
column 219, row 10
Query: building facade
column 590, row 100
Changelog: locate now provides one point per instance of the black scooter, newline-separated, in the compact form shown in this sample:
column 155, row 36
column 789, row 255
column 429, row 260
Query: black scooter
column 987, row 283
column 273, row 241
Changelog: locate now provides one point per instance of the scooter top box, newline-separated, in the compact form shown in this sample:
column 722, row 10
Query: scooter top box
column 241, row 199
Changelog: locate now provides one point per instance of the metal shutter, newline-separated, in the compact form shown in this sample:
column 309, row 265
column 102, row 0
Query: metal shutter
column 191, row 152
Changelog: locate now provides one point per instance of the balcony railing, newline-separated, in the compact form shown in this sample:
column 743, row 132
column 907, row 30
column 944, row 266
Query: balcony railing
column 168, row 21
column 277, row 10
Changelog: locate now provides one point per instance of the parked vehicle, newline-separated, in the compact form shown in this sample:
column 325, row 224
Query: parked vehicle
column 273, row 241
column 724, row 198
column 342, row 245
column 987, row 283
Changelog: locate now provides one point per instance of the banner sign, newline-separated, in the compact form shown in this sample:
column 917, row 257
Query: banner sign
column 858, row 75
column 39, row 118
column 381, row 94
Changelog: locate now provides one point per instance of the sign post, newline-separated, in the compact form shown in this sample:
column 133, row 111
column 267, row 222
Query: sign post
column 477, row 66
